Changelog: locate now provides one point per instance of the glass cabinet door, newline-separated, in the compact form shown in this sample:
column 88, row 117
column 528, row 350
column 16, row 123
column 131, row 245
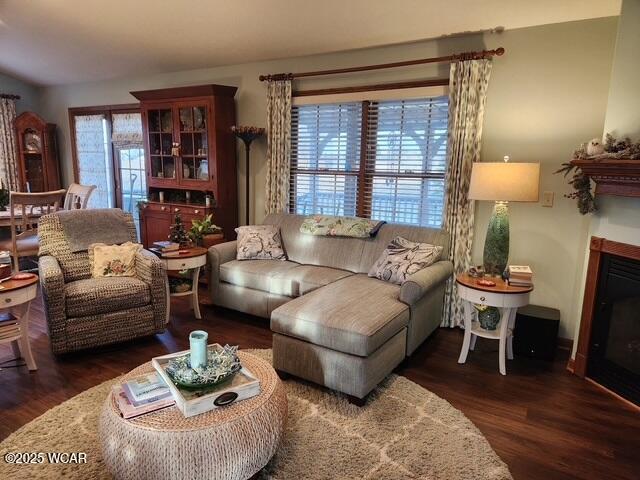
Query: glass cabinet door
column 163, row 164
column 194, row 148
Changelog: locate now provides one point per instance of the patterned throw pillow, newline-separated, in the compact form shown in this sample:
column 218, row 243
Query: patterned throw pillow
column 332, row 226
column 259, row 242
column 402, row 258
column 113, row 260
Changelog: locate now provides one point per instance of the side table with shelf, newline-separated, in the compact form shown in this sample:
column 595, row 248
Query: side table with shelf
column 505, row 297
column 16, row 296
column 193, row 259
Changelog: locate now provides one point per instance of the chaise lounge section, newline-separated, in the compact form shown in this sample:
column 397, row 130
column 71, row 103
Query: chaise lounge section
column 332, row 324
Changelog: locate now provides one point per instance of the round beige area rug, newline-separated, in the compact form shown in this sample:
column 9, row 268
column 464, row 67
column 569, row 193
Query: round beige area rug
column 404, row 432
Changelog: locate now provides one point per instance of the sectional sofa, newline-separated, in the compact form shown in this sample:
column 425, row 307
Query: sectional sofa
column 332, row 324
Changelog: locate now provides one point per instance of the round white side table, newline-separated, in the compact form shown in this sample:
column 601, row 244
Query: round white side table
column 507, row 298
column 16, row 296
column 193, row 259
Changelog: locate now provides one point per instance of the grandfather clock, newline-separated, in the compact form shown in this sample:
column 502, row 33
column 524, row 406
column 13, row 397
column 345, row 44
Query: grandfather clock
column 38, row 164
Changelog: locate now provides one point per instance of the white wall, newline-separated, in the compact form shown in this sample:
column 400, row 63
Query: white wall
column 29, row 94
column 618, row 218
column 547, row 95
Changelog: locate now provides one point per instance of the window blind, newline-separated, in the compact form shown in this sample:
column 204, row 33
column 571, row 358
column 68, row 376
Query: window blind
column 384, row 160
column 406, row 161
column 325, row 158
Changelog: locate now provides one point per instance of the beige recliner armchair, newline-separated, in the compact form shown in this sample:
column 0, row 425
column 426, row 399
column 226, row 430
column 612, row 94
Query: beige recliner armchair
column 82, row 311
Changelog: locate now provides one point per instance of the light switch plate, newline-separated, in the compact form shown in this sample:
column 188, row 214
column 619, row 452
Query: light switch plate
column 547, row 199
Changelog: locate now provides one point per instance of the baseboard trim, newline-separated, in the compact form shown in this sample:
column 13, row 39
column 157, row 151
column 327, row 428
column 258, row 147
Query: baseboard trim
column 571, row 365
column 614, row 394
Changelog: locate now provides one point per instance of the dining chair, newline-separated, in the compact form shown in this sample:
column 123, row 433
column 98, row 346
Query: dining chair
column 78, row 196
column 24, row 211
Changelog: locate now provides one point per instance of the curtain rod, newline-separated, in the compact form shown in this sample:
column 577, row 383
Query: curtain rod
column 451, row 58
column 10, row 96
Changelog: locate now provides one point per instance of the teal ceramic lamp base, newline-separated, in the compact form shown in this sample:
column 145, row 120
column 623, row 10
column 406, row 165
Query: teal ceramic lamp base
column 496, row 245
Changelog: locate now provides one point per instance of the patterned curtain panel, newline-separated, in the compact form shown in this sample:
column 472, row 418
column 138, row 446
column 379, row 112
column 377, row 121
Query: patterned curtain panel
column 8, row 160
column 278, row 145
column 468, row 83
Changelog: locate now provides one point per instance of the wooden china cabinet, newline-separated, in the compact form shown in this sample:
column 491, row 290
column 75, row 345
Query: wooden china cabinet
column 38, row 165
column 190, row 155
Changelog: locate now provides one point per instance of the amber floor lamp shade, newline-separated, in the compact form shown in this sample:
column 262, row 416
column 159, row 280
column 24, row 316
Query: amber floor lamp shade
column 502, row 182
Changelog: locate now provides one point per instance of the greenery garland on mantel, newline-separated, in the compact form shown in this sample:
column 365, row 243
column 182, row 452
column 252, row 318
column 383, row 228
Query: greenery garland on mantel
column 581, row 183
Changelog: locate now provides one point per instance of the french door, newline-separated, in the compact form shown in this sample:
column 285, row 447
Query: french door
column 108, row 152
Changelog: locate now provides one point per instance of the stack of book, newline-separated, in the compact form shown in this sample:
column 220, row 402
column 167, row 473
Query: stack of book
column 520, row 275
column 166, row 246
column 143, row 394
column 9, row 327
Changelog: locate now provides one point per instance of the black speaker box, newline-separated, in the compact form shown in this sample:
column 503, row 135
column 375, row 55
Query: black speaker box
column 536, row 332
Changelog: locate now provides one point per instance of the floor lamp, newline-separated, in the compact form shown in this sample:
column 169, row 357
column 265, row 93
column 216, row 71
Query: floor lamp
column 247, row 135
column 502, row 182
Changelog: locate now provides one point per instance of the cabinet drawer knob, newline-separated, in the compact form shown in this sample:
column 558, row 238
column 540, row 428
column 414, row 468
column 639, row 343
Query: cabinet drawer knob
column 7, row 300
column 163, row 208
column 482, row 299
column 196, row 211
column 184, row 264
column 176, row 210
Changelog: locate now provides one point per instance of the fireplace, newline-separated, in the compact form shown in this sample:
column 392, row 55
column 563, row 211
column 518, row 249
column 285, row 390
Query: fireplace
column 609, row 342
column 614, row 351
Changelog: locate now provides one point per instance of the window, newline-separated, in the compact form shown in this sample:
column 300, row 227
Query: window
column 379, row 159
column 108, row 152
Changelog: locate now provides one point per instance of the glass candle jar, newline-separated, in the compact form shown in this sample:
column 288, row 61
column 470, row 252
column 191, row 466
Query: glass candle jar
column 198, row 348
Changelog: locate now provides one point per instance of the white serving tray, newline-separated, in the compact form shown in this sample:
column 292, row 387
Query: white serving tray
column 241, row 386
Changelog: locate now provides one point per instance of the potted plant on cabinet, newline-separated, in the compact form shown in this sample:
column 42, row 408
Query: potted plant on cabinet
column 204, row 233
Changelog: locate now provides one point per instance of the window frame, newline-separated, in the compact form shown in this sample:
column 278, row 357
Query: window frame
column 366, row 171
column 107, row 111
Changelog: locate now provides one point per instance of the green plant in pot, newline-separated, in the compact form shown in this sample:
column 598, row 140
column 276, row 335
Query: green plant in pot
column 489, row 317
column 204, row 233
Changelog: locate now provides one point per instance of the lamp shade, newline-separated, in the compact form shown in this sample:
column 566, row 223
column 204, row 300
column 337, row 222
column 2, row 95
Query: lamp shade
column 504, row 181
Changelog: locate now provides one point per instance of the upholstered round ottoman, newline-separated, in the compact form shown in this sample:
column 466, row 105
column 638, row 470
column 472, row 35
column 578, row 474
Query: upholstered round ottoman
column 229, row 443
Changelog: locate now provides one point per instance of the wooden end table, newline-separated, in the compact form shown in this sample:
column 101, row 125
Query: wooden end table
column 503, row 296
column 193, row 259
column 16, row 296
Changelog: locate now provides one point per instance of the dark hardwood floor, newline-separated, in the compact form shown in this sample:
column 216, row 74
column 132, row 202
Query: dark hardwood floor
column 542, row 421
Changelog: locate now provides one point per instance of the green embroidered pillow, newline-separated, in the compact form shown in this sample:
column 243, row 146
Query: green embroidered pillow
column 332, row 226
column 403, row 258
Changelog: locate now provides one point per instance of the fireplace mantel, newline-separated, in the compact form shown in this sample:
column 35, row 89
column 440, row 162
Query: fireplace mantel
column 598, row 247
column 612, row 176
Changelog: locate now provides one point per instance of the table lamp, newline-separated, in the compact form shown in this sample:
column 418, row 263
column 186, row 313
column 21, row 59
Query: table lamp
column 502, row 182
